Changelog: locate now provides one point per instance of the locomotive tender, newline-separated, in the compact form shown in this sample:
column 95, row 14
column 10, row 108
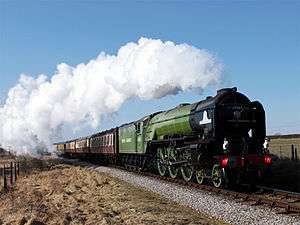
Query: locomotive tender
column 220, row 139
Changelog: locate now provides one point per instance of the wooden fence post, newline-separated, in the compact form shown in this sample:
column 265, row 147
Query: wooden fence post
column 296, row 154
column 280, row 154
column 4, row 178
column 11, row 173
column 18, row 171
column 292, row 151
column 15, row 170
column 2, row 174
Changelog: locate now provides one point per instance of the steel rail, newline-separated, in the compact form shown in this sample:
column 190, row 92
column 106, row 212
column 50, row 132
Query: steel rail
column 258, row 200
column 280, row 192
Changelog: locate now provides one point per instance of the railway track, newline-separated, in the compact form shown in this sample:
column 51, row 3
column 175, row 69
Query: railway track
column 273, row 198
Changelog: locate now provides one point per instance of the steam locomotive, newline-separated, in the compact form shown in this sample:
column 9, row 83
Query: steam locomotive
column 219, row 139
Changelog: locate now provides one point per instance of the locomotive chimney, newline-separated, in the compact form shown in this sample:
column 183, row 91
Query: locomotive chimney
column 226, row 90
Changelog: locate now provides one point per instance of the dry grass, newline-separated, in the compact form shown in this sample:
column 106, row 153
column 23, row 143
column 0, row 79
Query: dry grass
column 282, row 147
column 74, row 195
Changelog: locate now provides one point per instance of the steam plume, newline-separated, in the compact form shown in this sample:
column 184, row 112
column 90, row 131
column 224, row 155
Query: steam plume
column 36, row 108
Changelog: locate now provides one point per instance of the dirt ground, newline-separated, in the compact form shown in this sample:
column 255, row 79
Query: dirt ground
column 73, row 195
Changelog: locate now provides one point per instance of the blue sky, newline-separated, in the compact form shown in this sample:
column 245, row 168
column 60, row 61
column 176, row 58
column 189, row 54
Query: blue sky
column 259, row 43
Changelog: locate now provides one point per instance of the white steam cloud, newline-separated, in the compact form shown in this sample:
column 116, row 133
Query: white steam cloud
column 36, row 108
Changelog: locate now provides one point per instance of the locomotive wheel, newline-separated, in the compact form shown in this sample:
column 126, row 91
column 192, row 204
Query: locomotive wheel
column 161, row 161
column 173, row 170
column 200, row 175
column 216, row 175
column 187, row 172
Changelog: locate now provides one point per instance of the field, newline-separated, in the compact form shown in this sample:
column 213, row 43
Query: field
column 285, row 173
column 281, row 146
column 81, row 196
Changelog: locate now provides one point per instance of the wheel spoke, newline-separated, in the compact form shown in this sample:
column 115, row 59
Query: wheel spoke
column 217, row 176
column 161, row 164
column 187, row 172
column 173, row 170
column 200, row 175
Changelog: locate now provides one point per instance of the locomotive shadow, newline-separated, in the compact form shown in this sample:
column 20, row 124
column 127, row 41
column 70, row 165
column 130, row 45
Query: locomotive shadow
column 284, row 174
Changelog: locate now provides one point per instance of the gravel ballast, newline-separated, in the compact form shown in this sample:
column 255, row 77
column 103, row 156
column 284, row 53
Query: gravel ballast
column 217, row 206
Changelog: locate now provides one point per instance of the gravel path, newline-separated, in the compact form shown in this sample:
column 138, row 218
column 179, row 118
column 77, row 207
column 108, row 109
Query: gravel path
column 209, row 203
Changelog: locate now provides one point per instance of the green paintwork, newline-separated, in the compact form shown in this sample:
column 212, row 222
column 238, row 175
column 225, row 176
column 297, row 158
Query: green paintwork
column 127, row 139
column 174, row 121
column 133, row 137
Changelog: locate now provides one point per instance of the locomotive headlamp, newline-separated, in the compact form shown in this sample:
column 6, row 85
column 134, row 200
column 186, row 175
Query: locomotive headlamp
column 266, row 143
column 266, row 146
column 225, row 144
